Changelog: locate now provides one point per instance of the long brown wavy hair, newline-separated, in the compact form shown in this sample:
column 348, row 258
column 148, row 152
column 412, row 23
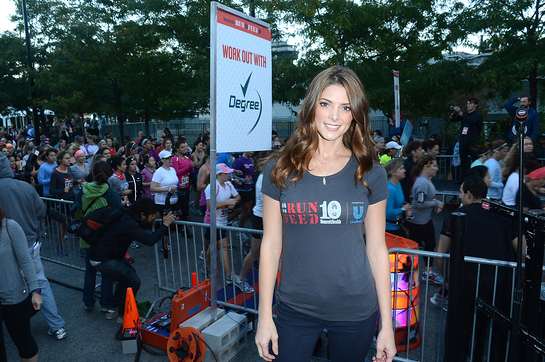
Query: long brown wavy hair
column 294, row 158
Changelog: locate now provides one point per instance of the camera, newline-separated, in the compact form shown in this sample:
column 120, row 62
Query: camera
column 451, row 109
column 29, row 167
column 167, row 204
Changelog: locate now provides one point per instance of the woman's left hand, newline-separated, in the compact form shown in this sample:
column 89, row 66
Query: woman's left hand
column 386, row 347
column 36, row 301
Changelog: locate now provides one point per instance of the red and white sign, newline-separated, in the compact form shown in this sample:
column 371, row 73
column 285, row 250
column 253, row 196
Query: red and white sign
column 242, row 71
column 396, row 98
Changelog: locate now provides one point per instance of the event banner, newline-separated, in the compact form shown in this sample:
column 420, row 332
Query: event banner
column 242, row 72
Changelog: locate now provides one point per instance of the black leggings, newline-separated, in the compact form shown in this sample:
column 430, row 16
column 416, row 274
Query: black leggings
column 423, row 234
column 16, row 318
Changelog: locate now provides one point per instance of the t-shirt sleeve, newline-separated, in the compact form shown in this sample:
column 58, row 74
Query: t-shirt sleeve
column 234, row 192
column 378, row 183
column 157, row 176
column 268, row 187
column 207, row 192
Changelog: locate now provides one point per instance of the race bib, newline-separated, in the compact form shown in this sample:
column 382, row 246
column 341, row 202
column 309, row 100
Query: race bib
column 68, row 182
column 184, row 181
column 224, row 212
column 464, row 130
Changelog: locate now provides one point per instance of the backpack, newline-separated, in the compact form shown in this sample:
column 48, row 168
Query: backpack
column 93, row 225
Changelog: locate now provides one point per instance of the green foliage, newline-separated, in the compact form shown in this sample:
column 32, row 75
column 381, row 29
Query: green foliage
column 513, row 31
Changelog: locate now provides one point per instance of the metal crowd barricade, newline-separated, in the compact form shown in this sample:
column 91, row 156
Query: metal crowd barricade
column 58, row 246
column 432, row 319
column 185, row 256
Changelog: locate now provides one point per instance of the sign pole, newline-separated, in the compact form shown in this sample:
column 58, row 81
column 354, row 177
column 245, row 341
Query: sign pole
column 213, row 110
column 396, row 97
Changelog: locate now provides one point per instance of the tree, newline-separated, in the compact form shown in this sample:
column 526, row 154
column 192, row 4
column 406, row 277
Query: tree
column 372, row 37
column 513, row 30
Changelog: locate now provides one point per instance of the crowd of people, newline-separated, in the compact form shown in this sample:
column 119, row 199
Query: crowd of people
column 161, row 178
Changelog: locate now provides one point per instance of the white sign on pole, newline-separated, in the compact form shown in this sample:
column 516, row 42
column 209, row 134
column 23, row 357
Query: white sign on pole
column 243, row 82
column 396, row 97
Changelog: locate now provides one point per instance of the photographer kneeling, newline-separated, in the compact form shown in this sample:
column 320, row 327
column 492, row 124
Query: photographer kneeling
column 108, row 254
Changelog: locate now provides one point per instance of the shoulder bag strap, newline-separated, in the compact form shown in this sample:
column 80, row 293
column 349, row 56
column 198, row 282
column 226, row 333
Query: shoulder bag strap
column 92, row 202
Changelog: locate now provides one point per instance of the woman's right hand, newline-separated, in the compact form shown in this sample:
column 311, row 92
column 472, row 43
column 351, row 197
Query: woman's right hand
column 36, row 301
column 266, row 332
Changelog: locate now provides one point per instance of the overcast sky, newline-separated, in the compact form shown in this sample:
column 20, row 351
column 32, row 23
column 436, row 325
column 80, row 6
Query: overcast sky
column 7, row 9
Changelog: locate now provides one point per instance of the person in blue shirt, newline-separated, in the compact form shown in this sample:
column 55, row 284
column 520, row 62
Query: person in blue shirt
column 31, row 131
column 396, row 207
column 532, row 124
column 499, row 151
column 44, row 174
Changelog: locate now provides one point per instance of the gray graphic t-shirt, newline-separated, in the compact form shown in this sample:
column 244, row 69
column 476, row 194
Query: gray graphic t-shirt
column 325, row 271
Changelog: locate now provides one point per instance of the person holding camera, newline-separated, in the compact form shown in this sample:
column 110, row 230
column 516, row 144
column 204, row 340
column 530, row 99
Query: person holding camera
column 108, row 254
column 470, row 128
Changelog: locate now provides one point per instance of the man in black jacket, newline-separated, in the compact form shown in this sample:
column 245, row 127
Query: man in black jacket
column 472, row 123
column 108, row 254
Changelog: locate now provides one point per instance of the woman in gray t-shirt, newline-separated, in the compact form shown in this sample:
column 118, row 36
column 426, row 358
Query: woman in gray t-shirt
column 318, row 193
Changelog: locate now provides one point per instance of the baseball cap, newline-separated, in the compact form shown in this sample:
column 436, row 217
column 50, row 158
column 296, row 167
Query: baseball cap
column 165, row 154
column 222, row 168
column 542, row 135
column 393, row 144
column 78, row 138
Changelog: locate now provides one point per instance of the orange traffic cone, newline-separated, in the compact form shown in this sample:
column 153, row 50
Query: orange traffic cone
column 131, row 318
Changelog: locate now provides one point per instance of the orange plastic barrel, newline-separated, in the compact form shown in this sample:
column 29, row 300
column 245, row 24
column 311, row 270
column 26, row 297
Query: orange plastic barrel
column 405, row 288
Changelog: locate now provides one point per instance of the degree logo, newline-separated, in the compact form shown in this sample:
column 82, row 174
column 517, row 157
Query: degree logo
column 247, row 104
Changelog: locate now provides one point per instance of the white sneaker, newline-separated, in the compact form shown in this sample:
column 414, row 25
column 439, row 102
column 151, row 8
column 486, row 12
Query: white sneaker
column 58, row 334
column 243, row 285
column 432, row 277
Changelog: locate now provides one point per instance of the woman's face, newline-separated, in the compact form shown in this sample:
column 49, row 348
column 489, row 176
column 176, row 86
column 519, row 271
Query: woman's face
column 66, row 160
column 200, row 146
column 418, row 153
column 151, row 162
column 62, row 143
column 51, row 157
column 432, row 168
column 503, row 152
column 168, row 144
column 147, row 145
column 528, row 145
column 333, row 114
column 167, row 162
column 132, row 166
column 81, row 158
column 223, row 177
column 122, row 167
column 487, row 180
column 12, row 162
column 90, row 140
column 106, row 153
column 399, row 173
column 434, row 151
column 182, row 149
